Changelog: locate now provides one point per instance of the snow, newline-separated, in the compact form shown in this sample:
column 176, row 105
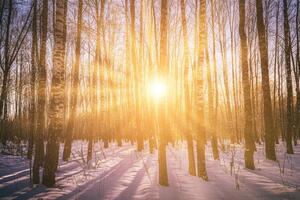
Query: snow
column 123, row 173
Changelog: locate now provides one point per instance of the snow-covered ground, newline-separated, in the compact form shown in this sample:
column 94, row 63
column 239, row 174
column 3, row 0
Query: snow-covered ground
column 122, row 173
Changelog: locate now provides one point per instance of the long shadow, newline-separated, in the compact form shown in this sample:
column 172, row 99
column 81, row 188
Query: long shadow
column 36, row 190
column 131, row 189
column 17, row 186
column 13, row 177
column 69, row 175
column 29, row 194
column 274, row 177
column 12, row 164
column 267, row 194
column 13, row 188
column 117, row 170
column 67, row 166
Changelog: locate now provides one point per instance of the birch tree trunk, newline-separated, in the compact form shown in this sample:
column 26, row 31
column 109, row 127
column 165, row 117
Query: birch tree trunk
column 33, row 81
column 42, row 92
column 289, row 84
column 56, row 108
column 249, row 143
column 163, row 72
column 267, row 104
column 215, row 79
column 200, row 129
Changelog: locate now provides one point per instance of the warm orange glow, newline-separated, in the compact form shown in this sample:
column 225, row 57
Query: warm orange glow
column 158, row 89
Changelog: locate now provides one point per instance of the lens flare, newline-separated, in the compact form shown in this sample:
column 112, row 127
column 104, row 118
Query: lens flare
column 158, row 89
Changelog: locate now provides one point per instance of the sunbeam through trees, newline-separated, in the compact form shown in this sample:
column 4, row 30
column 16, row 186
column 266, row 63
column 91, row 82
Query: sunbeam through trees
column 149, row 99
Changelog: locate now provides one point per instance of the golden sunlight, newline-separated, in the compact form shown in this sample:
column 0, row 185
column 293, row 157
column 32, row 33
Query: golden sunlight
column 157, row 88
column 149, row 99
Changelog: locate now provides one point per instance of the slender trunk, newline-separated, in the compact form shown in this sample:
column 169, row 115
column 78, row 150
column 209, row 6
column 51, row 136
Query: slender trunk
column 297, row 73
column 216, row 89
column 252, row 59
column 214, row 140
column 232, row 53
column 74, row 87
column 98, row 65
column 127, row 66
column 294, row 69
column 2, row 4
column 42, row 91
column 140, row 141
column 267, row 105
column 200, row 128
column 56, row 108
column 276, row 67
column 163, row 72
column 223, row 51
column 19, row 98
column 289, row 84
column 139, row 81
column 249, row 143
column 188, row 110
column 32, row 81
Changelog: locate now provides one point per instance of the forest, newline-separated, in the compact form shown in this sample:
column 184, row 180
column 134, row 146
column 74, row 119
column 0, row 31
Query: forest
column 149, row 99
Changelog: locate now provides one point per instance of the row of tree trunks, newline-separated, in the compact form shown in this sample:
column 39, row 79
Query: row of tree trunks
column 104, row 107
column 11, row 49
column 74, row 87
column 6, row 72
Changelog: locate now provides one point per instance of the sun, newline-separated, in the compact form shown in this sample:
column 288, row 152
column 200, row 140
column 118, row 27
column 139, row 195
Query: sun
column 158, row 89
